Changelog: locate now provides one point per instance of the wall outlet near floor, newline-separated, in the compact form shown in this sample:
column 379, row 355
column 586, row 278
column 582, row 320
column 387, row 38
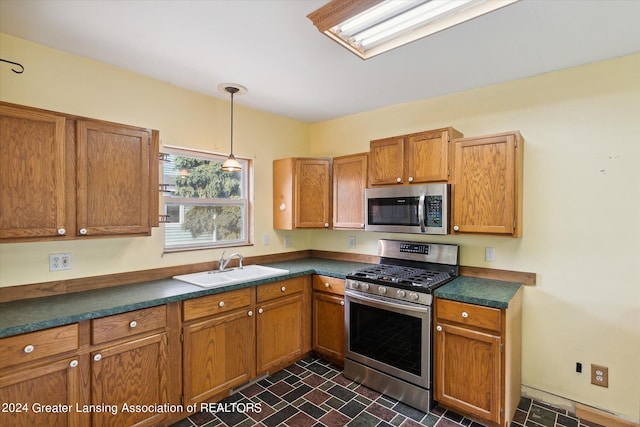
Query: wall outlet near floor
column 352, row 242
column 490, row 254
column 287, row 241
column 58, row 262
column 265, row 239
column 599, row 375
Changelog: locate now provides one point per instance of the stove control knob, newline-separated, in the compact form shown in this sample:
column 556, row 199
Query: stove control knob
column 382, row 290
column 414, row 296
column 364, row 287
column 355, row 285
column 401, row 294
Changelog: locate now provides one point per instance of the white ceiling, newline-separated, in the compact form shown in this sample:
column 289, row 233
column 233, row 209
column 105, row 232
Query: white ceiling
column 291, row 69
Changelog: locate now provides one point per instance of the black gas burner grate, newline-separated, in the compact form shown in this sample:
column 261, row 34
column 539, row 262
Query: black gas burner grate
column 401, row 275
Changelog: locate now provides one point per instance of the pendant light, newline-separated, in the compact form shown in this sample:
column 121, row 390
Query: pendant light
column 231, row 164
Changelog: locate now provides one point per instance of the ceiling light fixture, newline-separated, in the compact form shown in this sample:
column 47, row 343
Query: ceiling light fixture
column 231, row 164
column 371, row 27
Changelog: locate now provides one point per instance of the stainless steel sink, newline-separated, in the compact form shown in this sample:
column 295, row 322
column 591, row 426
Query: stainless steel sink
column 215, row 278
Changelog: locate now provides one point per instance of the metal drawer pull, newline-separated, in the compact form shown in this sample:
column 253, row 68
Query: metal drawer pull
column 133, row 324
column 438, row 328
column 83, row 231
column 283, row 289
column 61, row 231
column 97, row 357
column 327, row 285
column 250, row 313
column 465, row 314
column 29, row 349
column 221, row 304
column 260, row 311
column 73, row 363
column 342, row 302
column 456, row 228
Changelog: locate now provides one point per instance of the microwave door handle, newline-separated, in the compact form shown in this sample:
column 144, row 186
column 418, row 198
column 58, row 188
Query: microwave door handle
column 421, row 212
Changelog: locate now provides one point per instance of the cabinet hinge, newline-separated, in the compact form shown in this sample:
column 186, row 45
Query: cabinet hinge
column 501, row 347
column 182, row 401
column 514, row 224
column 181, row 337
column 448, row 172
column 501, row 412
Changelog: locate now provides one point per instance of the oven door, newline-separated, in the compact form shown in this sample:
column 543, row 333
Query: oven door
column 389, row 335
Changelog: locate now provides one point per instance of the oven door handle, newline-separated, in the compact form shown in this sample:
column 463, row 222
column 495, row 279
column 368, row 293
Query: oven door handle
column 421, row 212
column 387, row 302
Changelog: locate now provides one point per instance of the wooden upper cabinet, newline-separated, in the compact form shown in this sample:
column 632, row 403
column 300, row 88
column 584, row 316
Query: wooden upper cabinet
column 113, row 179
column 66, row 177
column 487, row 184
column 410, row 159
column 32, row 174
column 301, row 193
column 349, row 182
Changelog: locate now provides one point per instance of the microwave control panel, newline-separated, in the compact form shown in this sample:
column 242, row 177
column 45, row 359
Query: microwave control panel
column 433, row 208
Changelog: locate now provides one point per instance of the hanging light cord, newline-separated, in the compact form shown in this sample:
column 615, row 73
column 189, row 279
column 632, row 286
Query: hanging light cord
column 232, row 90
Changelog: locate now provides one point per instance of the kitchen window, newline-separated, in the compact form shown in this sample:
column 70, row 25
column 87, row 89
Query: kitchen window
column 205, row 207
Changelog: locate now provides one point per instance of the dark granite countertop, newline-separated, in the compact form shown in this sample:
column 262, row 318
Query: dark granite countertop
column 487, row 292
column 17, row 317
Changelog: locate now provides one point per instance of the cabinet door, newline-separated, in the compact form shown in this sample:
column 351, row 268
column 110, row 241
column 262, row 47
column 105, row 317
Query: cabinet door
column 428, row 157
column 486, row 191
column 134, row 373
column 328, row 325
column 349, row 182
column 113, row 167
column 467, row 371
column 32, row 176
column 386, row 161
column 312, row 193
column 218, row 354
column 279, row 332
column 27, row 389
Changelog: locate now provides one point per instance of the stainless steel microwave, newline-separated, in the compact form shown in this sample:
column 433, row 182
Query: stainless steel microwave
column 416, row 209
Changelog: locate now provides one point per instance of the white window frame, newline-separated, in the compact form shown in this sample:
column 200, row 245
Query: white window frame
column 246, row 202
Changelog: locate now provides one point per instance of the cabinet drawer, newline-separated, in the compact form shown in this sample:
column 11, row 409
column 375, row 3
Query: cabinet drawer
column 279, row 289
column 127, row 324
column 468, row 314
column 328, row 284
column 214, row 304
column 24, row 348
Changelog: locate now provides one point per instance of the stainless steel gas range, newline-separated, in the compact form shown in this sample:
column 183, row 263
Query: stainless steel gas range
column 388, row 318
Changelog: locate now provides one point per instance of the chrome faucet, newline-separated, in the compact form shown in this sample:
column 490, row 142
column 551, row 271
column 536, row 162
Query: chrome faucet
column 222, row 263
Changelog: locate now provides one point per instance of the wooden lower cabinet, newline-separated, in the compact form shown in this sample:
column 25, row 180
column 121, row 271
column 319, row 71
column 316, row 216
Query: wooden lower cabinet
column 328, row 318
column 127, row 375
column 28, row 390
column 218, row 352
column 477, row 359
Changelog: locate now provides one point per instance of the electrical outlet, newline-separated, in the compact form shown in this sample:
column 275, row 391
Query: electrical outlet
column 599, row 375
column 490, row 254
column 58, row 262
column 265, row 239
column 352, row 242
column 287, row 241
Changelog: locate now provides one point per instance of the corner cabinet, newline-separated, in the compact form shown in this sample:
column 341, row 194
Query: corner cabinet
column 477, row 353
column 66, row 177
column 412, row 159
column 349, row 183
column 486, row 191
column 301, row 193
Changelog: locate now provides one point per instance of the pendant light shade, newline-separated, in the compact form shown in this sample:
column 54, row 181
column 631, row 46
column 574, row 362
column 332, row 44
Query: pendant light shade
column 231, row 164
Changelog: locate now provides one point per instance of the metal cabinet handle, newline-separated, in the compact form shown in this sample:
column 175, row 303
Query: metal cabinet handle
column 326, row 225
column 73, row 363
column 342, row 302
column 250, row 313
column 97, row 357
column 465, row 314
column 327, row 285
column 83, row 231
column 398, row 179
column 29, row 349
column 456, row 228
column 61, row 231
column 410, row 179
column 283, row 289
column 438, row 328
column 133, row 324
column 221, row 304
column 260, row 311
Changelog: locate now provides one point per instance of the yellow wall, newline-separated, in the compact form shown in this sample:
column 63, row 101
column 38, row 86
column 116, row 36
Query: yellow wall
column 581, row 216
column 581, row 195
